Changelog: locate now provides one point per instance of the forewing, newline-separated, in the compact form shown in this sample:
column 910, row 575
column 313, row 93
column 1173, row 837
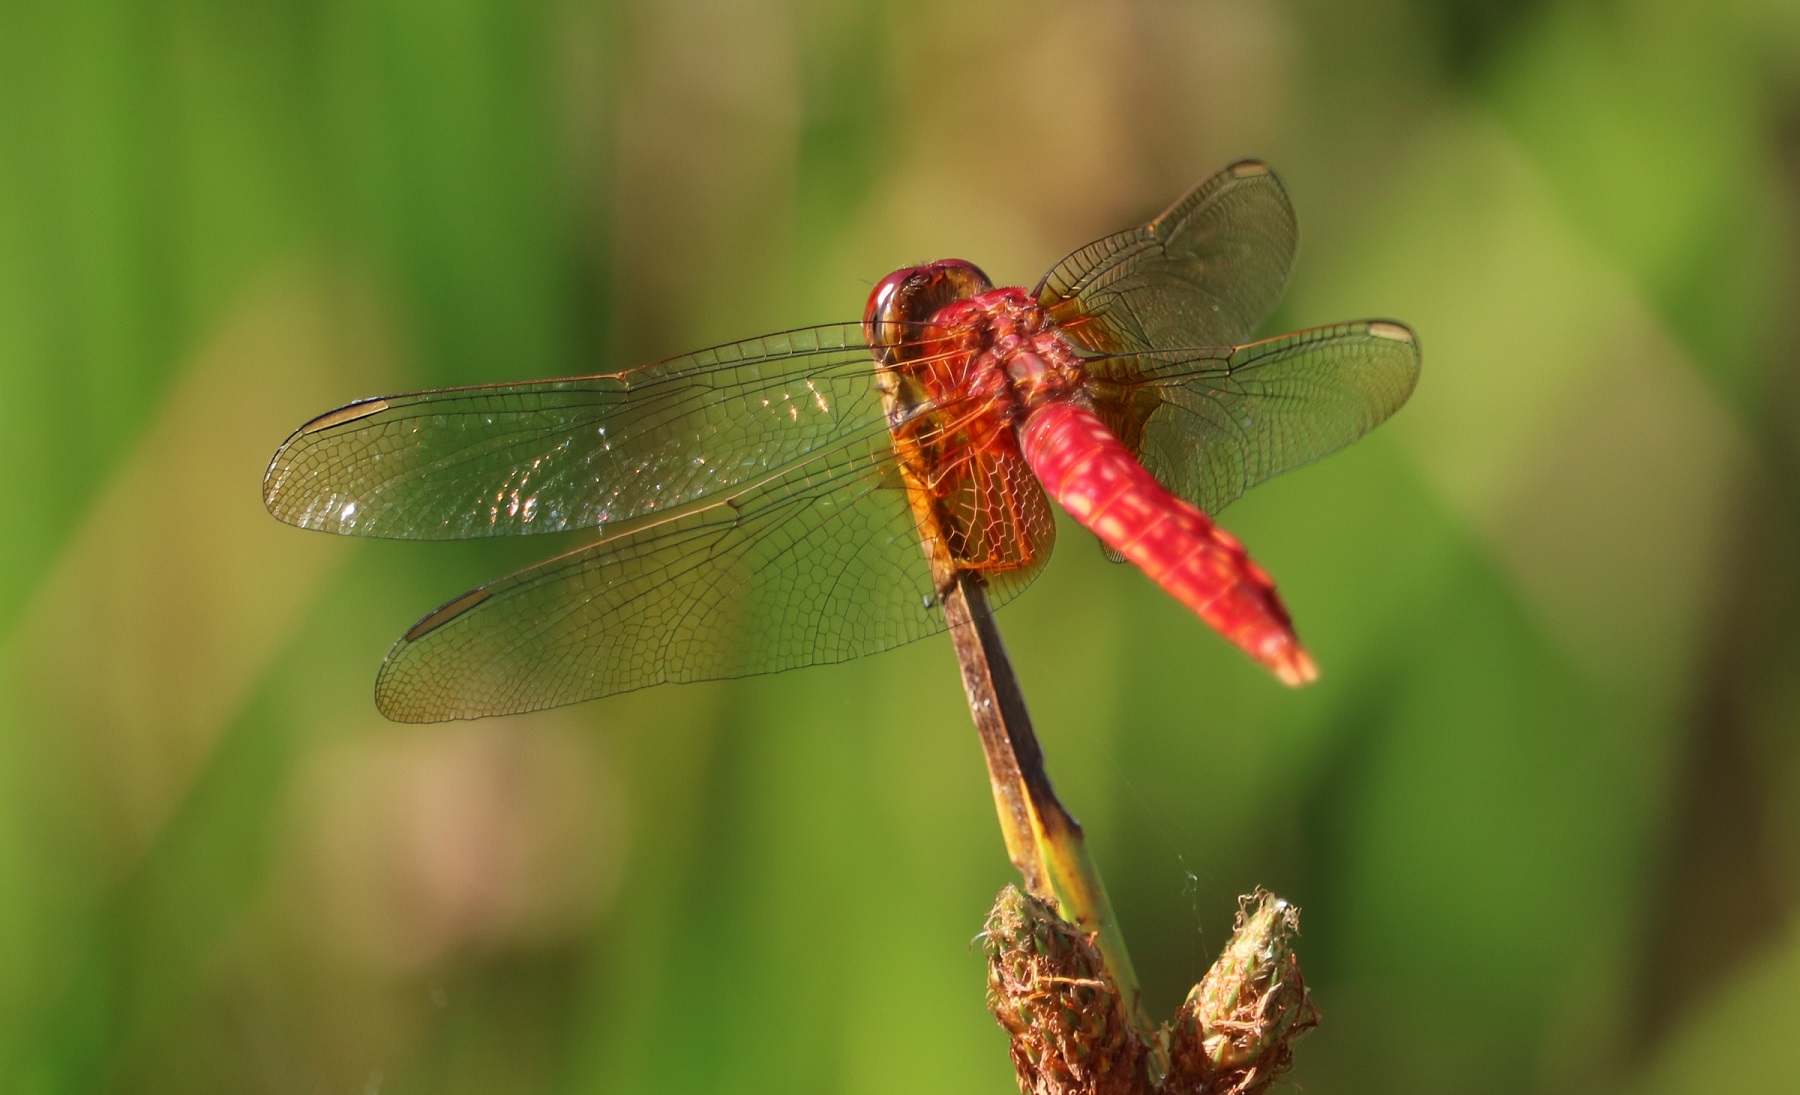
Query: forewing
column 1211, row 424
column 1207, row 272
column 547, row 456
column 819, row 563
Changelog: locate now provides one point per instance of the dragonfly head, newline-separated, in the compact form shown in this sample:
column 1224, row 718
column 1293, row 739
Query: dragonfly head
column 909, row 297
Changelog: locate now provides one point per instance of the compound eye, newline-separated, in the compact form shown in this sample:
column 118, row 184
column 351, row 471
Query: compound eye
column 960, row 280
column 885, row 315
column 906, row 299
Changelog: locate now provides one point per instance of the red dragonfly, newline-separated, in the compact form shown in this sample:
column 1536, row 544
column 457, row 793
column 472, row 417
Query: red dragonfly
column 802, row 498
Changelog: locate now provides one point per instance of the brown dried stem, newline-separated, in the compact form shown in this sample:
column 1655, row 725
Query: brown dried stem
column 1059, row 977
column 1045, row 842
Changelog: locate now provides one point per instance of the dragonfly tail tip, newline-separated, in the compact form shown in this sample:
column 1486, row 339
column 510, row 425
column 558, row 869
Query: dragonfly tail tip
column 1295, row 667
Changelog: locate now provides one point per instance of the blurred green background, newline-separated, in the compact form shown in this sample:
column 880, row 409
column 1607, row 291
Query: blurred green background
column 1542, row 811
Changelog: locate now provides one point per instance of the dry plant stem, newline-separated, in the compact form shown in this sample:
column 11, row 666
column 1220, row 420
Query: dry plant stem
column 1046, row 843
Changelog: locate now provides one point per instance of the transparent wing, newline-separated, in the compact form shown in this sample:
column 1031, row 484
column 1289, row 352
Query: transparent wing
column 1211, row 424
column 818, row 563
column 547, row 456
column 1205, row 273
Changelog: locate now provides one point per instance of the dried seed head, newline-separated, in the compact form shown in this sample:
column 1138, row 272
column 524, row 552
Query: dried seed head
column 1235, row 1032
column 1050, row 990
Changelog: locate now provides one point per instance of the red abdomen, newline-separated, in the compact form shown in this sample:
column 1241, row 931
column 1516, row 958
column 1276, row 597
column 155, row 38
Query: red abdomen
column 1096, row 478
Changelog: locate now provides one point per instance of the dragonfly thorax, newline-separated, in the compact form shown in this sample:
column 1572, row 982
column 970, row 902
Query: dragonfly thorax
column 1012, row 345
